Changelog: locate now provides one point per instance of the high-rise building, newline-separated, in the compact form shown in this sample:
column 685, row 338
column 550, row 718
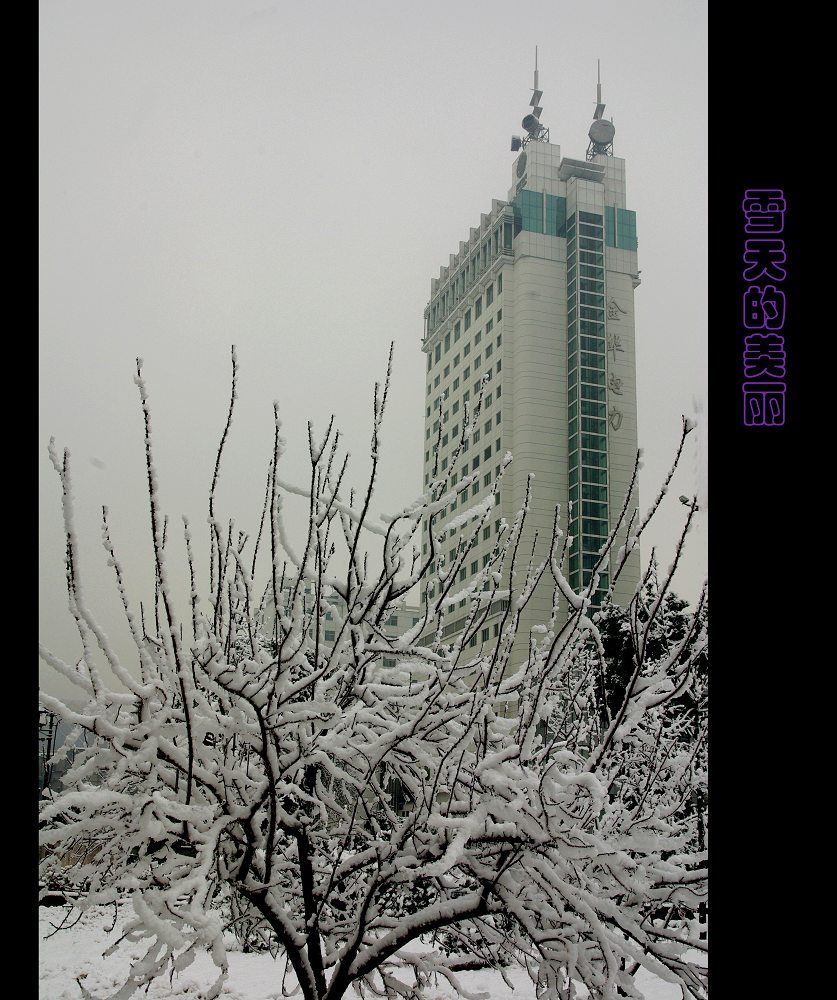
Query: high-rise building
column 537, row 309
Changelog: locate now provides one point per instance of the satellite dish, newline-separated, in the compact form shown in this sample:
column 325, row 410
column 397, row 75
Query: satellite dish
column 531, row 124
column 602, row 132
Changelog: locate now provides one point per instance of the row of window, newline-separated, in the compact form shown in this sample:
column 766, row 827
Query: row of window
column 497, row 607
column 454, row 290
column 486, row 377
column 466, row 350
column 452, row 437
column 453, row 409
column 487, row 532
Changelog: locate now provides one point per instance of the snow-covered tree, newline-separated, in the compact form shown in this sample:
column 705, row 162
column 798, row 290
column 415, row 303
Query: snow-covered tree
column 378, row 826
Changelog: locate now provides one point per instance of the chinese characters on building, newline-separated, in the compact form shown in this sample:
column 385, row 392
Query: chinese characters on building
column 764, row 308
column 614, row 344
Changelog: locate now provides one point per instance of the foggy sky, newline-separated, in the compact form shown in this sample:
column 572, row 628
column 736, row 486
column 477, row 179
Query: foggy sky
column 288, row 178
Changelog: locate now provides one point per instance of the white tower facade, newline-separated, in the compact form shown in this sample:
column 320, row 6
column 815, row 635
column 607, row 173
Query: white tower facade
column 537, row 307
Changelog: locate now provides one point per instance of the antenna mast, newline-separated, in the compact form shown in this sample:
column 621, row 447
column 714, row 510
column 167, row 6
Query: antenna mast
column 601, row 132
column 535, row 132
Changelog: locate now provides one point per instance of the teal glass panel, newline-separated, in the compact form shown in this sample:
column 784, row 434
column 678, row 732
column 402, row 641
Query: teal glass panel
column 531, row 210
column 592, row 425
column 595, row 381
column 589, row 408
column 610, row 226
column 595, row 493
column 626, row 229
column 592, row 360
column 594, row 459
column 556, row 215
column 590, row 508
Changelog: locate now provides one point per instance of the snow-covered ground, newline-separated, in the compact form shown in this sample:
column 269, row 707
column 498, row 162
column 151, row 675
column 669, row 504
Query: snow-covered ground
column 77, row 954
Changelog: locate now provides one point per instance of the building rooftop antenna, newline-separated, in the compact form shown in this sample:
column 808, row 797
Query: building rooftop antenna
column 535, row 131
column 601, row 132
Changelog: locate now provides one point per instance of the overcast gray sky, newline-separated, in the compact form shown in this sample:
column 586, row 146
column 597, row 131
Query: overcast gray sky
column 288, row 177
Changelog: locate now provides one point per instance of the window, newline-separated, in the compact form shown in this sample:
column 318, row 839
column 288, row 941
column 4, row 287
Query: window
column 489, row 295
column 329, row 635
column 499, row 284
column 476, row 436
column 478, row 308
column 477, row 361
column 489, row 326
column 447, row 342
column 485, row 634
column 467, row 350
column 444, row 440
column 428, row 411
column 447, row 370
column 489, row 351
column 429, row 361
column 497, row 445
column 486, row 532
column 499, row 366
column 429, row 388
column 466, row 373
column 499, row 394
column 427, row 435
column 455, row 406
column 436, row 381
column 454, row 431
column 488, row 400
column 475, row 567
column 456, row 333
column 478, row 338
column 499, row 315
column 437, row 354
column 455, row 384
column 466, row 395
column 456, row 360
column 487, row 425
column 475, row 461
column 427, row 456
column 499, row 339
column 444, row 463
column 462, row 573
column 486, row 559
column 467, row 318
column 486, row 481
column 475, row 489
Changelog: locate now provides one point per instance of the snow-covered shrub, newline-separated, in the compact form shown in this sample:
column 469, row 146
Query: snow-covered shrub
column 249, row 769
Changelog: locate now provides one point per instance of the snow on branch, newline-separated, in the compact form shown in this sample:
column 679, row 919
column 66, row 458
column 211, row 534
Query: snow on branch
column 386, row 809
